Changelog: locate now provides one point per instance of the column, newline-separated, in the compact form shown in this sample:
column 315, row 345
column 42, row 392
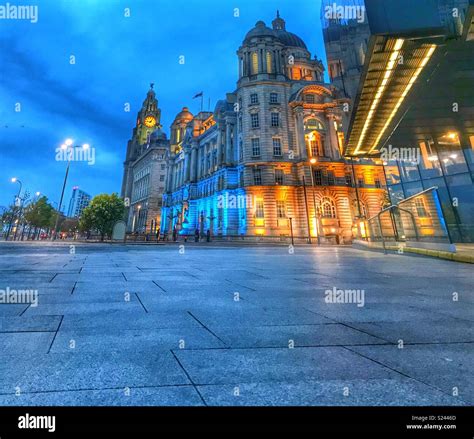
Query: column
column 228, row 144
column 193, row 172
column 300, row 133
column 333, row 139
column 187, row 164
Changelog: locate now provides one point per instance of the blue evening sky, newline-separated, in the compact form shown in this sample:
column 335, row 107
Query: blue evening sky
column 116, row 59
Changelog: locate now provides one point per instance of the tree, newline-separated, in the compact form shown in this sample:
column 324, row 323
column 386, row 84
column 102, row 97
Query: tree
column 102, row 213
column 40, row 213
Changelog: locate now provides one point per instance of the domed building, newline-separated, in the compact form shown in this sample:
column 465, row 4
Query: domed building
column 267, row 162
column 145, row 169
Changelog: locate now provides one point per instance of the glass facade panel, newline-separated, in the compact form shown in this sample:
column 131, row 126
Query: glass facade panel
column 451, row 155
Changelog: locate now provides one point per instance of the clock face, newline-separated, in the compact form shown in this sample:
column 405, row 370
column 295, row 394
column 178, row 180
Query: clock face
column 150, row 121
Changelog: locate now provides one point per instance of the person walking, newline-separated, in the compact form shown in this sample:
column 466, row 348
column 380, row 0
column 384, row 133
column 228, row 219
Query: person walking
column 196, row 235
column 208, row 235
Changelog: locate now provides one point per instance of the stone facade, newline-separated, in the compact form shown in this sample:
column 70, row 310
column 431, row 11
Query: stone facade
column 267, row 162
column 145, row 169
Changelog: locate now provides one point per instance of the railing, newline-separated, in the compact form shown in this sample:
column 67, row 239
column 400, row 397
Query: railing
column 417, row 220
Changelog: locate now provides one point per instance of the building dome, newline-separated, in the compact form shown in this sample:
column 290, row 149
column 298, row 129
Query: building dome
column 183, row 116
column 157, row 135
column 259, row 31
column 290, row 40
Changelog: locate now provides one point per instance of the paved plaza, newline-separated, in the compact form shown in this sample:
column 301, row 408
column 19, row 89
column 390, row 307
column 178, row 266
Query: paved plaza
column 215, row 325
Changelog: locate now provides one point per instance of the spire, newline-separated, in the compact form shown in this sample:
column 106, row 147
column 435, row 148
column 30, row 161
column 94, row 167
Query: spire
column 278, row 23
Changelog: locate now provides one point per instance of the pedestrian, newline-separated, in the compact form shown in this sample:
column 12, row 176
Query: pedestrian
column 208, row 235
column 196, row 235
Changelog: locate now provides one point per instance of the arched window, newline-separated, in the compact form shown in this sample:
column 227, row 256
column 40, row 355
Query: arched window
column 328, row 208
column 254, row 63
column 269, row 62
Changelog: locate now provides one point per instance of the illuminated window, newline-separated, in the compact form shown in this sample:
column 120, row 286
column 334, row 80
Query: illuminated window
column 296, row 74
column 269, row 62
column 281, row 209
column 421, row 208
column 254, row 63
column 259, row 209
column 276, row 147
column 256, row 147
column 279, row 176
column 328, row 208
column 254, row 120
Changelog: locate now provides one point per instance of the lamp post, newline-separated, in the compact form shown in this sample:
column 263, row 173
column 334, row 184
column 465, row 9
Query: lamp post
column 312, row 162
column 291, row 231
column 14, row 180
column 67, row 147
column 307, row 211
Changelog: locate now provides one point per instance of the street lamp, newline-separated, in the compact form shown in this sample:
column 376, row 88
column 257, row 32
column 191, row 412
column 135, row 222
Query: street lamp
column 66, row 146
column 313, row 161
column 17, row 199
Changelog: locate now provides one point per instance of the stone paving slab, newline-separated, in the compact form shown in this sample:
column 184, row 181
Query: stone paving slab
column 360, row 392
column 129, row 339
column 444, row 366
column 25, row 343
column 437, row 331
column 30, row 323
column 183, row 395
column 295, row 335
column 69, row 371
column 234, row 366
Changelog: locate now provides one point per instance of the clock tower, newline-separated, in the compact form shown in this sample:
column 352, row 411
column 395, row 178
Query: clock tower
column 148, row 118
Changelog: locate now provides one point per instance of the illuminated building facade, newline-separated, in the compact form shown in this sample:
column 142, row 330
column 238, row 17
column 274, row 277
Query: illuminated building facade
column 267, row 161
column 145, row 169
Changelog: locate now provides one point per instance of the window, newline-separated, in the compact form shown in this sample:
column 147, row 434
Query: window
column 275, row 119
column 318, row 177
column 348, row 179
column 281, row 209
column 273, row 98
column 421, row 208
column 255, row 147
column 162, row 177
column 257, row 176
column 279, row 176
column 331, row 178
column 254, row 63
column 254, row 120
column 259, row 209
column 269, row 62
column 254, row 98
column 277, row 147
column 163, row 166
column 328, row 208
column 309, row 99
column 377, row 183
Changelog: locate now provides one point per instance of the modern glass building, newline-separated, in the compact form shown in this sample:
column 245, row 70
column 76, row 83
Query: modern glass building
column 414, row 106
